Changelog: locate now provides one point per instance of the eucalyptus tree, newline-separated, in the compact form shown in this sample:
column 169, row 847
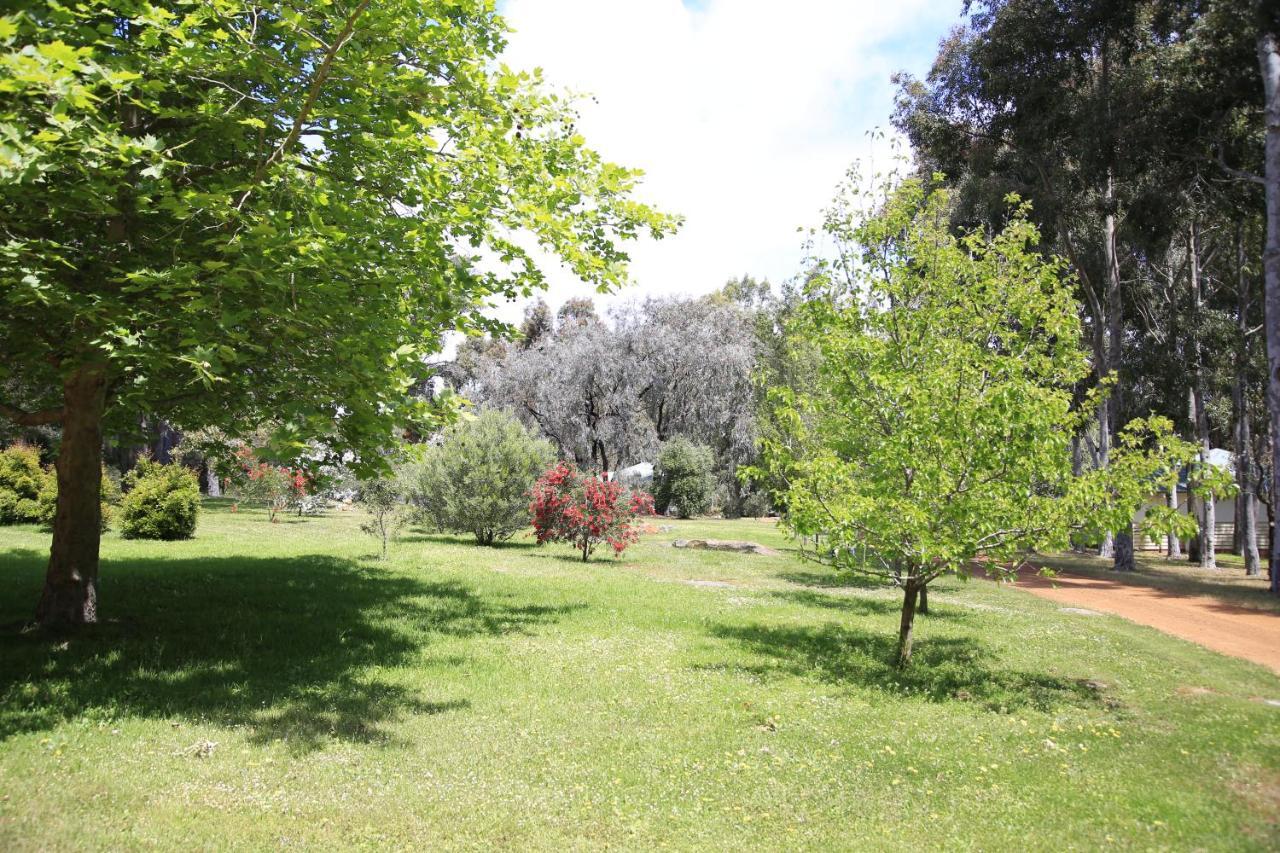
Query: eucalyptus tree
column 224, row 211
column 580, row 388
column 1102, row 113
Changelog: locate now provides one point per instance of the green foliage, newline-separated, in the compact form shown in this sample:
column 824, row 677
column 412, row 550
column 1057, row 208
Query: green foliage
column 160, row 502
column 684, row 476
column 27, row 490
column 237, row 212
column 383, row 499
column 477, row 479
column 938, row 426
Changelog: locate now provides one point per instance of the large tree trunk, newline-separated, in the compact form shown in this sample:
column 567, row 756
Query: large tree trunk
column 1269, row 61
column 70, row 594
column 1124, row 552
column 910, row 594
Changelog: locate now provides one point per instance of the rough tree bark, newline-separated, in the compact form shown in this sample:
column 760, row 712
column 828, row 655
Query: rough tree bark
column 910, row 595
column 70, row 595
column 1269, row 62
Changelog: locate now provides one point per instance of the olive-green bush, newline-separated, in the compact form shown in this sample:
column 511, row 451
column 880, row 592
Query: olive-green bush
column 684, row 478
column 160, row 502
column 477, row 479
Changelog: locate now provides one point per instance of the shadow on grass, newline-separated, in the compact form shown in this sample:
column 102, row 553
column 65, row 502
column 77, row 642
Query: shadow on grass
column 832, row 579
column 942, row 669
column 296, row 649
column 418, row 534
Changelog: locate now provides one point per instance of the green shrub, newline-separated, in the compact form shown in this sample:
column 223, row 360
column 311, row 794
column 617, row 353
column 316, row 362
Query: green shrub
column 477, row 479
column 28, row 490
column 383, row 500
column 684, row 477
column 160, row 502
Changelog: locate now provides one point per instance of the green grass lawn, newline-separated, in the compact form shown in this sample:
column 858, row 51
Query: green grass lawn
column 272, row 684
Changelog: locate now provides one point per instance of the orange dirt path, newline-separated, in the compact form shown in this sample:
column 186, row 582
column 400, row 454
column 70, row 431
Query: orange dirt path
column 1227, row 628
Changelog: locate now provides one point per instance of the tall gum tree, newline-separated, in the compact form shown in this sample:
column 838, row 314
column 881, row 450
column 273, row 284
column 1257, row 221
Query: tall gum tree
column 223, row 212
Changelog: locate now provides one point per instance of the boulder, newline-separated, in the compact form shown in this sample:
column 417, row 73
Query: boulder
column 735, row 545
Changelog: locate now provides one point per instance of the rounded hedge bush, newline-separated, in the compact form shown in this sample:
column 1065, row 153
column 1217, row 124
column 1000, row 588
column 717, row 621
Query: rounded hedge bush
column 28, row 490
column 160, row 502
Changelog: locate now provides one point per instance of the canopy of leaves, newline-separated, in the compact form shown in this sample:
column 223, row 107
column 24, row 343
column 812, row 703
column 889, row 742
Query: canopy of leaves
column 938, row 424
column 249, row 210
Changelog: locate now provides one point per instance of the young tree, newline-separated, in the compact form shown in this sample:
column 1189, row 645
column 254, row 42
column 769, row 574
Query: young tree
column 384, row 501
column 218, row 213
column 477, row 479
column 938, row 426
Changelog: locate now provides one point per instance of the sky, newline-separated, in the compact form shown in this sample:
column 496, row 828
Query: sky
column 744, row 115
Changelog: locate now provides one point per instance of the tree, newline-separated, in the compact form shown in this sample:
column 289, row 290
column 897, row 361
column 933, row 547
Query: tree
column 537, row 325
column 580, row 389
column 608, row 395
column 938, row 426
column 578, row 311
column 384, row 501
column 683, row 476
column 219, row 213
column 477, row 479
column 585, row 510
column 1269, row 62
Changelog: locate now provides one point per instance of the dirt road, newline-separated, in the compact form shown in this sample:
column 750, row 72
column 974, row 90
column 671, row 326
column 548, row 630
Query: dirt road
column 1233, row 630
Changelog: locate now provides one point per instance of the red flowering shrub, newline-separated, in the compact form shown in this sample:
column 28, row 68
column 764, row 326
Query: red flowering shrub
column 570, row 506
column 274, row 487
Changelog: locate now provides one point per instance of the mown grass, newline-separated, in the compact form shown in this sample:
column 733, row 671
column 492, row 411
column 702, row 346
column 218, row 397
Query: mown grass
column 271, row 685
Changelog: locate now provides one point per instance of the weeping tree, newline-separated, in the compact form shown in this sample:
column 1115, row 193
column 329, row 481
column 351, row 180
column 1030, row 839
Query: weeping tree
column 221, row 212
column 937, row 429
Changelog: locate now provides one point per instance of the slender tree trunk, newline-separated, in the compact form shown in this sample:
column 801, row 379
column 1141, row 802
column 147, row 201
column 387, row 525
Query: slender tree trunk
column 1175, row 545
column 1269, row 61
column 1111, row 407
column 586, row 551
column 1077, row 469
column 1246, row 524
column 923, row 605
column 910, row 594
column 70, row 595
column 1200, row 414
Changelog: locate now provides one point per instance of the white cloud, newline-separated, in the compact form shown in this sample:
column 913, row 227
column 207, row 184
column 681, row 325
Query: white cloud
column 743, row 113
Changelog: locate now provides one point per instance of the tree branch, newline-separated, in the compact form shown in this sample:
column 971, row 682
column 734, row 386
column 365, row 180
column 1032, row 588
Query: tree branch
column 21, row 418
column 313, row 92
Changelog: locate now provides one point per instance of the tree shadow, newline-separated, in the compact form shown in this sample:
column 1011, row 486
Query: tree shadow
column 832, row 579
column 419, row 534
column 942, row 669
column 834, row 601
column 302, row 650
